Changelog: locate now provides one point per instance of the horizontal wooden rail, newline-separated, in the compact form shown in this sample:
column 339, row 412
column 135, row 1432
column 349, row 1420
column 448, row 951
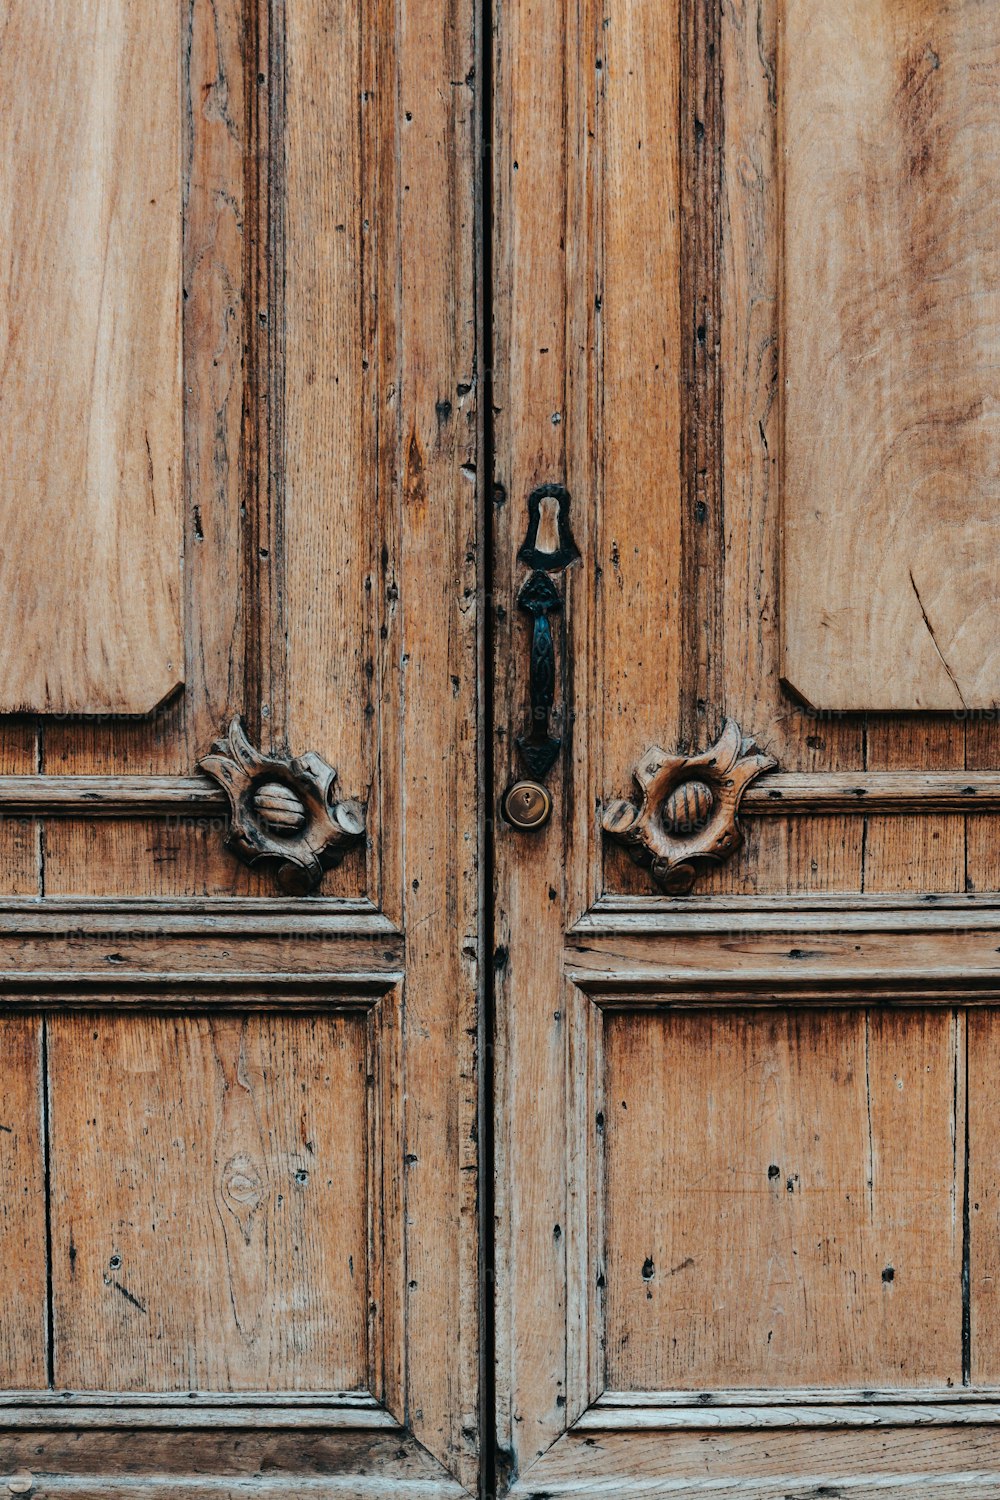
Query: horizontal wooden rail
column 781, row 794
column 50, row 1411
column 111, row 796
column 911, row 1412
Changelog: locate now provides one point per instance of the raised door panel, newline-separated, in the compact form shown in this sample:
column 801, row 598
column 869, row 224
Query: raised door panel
column 889, row 331
column 782, row 1199
column 209, row 1202
column 91, row 399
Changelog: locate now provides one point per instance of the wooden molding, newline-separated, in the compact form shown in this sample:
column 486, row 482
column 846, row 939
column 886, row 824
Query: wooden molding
column 250, row 953
column 777, row 795
column 111, row 796
column 651, row 916
column 215, row 916
column 776, row 951
column 826, row 792
column 196, row 1409
column 276, row 1447
column 734, row 1411
column 165, row 989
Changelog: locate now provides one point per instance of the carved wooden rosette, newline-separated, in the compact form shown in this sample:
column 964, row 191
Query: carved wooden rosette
column 689, row 808
column 284, row 810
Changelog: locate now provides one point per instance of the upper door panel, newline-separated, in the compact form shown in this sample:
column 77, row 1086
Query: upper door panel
column 92, row 401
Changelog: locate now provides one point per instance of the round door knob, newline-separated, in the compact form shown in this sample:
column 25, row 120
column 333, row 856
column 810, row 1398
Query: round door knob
column 527, row 805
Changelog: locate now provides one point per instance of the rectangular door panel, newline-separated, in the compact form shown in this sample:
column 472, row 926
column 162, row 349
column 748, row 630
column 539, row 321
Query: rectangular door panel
column 91, row 399
column 784, row 1199
column 890, row 302
column 209, row 1202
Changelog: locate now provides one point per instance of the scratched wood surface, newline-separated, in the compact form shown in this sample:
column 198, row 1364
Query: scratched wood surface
column 223, row 372
column 208, row 1202
column 890, row 315
column 90, row 398
column 784, row 1199
column 546, row 313
column 23, row 1323
column 893, row 1465
column 324, row 162
column 637, row 196
column 226, row 1465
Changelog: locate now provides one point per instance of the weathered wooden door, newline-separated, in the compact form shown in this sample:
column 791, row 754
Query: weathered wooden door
column 747, row 1178
column 578, row 425
column 238, row 1247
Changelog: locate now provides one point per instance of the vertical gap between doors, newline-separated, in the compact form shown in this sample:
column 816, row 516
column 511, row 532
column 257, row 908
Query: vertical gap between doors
column 486, row 463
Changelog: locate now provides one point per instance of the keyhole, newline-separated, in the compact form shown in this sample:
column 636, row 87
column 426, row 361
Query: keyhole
column 548, row 525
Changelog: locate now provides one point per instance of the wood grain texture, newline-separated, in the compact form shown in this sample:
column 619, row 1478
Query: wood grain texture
column 674, row 635
column 224, row 1465
column 982, row 864
column 90, row 398
column 926, row 852
column 215, row 68
column 329, row 487
column 551, row 79
column 784, row 1200
column 223, row 373
column 785, row 1415
column 326, row 161
column 983, row 1199
column 939, row 1465
column 20, row 838
column 943, row 1405
column 588, row 393
column 891, row 456
column 747, row 962
column 434, row 550
column 638, row 373
column 208, row 1203
column 23, row 1254
column 195, row 1411
column 825, row 853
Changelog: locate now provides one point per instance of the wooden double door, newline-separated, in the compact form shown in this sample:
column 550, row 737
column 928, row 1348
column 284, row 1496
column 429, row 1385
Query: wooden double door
column 578, row 426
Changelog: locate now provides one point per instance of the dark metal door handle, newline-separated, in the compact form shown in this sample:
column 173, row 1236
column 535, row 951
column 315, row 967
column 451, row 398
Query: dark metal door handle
column 539, row 598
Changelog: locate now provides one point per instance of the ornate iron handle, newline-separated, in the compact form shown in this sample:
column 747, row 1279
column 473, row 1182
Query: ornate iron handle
column 540, row 599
